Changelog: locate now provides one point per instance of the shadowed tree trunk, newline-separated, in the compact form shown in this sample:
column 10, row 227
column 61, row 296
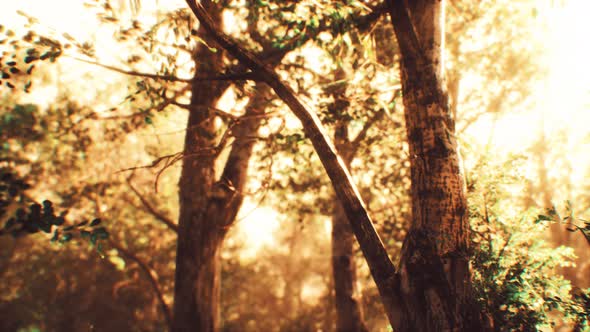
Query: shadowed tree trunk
column 208, row 209
column 196, row 288
column 349, row 313
column 208, row 206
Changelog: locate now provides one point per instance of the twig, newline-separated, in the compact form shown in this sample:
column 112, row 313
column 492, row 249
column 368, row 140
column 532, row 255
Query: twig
column 169, row 78
column 152, row 210
column 249, row 76
column 153, row 282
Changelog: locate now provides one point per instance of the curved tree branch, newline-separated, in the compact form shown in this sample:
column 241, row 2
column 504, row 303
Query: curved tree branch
column 151, row 209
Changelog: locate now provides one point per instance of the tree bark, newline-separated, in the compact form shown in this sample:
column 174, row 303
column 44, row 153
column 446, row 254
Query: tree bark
column 196, row 289
column 434, row 275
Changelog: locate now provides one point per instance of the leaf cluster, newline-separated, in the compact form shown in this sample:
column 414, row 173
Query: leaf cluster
column 42, row 218
column 515, row 271
column 571, row 222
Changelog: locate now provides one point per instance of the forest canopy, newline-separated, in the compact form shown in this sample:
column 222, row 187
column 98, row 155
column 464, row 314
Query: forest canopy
column 246, row 165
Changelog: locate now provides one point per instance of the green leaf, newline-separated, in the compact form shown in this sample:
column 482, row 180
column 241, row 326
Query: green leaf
column 67, row 237
column 59, row 221
column 55, row 235
column 100, row 233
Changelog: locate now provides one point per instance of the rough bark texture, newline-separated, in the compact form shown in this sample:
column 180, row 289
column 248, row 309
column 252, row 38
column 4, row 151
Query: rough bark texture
column 196, row 288
column 207, row 206
column 434, row 269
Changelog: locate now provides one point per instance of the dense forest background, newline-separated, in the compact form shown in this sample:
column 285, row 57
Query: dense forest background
column 110, row 109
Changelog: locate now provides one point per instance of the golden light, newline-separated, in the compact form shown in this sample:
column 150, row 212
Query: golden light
column 256, row 225
column 560, row 103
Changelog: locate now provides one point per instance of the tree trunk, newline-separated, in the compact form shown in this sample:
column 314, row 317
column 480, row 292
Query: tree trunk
column 209, row 206
column 208, row 209
column 196, row 286
column 196, row 289
column 434, row 275
column 349, row 313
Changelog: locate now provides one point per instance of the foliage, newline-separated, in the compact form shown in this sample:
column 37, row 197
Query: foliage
column 22, row 126
column 71, row 288
column 514, row 267
column 571, row 222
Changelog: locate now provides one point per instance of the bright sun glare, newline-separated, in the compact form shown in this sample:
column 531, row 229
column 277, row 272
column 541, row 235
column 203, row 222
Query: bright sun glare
column 561, row 100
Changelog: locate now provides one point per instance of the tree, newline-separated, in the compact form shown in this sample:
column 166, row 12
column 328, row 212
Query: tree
column 434, row 267
column 208, row 206
column 432, row 289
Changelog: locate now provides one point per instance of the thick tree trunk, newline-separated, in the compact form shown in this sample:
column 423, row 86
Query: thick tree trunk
column 196, row 286
column 434, row 275
column 208, row 209
column 208, row 206
column 196, row 289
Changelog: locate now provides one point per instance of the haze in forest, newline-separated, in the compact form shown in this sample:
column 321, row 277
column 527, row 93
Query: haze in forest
column 97, row 137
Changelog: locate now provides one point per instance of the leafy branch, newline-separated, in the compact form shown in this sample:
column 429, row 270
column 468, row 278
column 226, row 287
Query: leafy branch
column 571, row 222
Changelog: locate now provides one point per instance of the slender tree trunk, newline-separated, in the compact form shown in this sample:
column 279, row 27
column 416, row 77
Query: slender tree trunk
column 434, row 275
column 349, row 313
